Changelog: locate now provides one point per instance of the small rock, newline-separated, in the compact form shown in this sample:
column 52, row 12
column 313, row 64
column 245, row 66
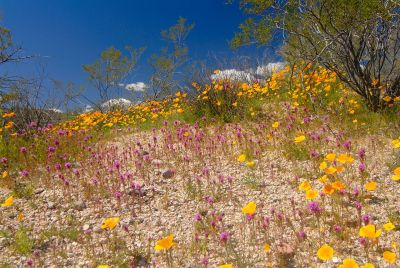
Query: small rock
column 51, row 205
column 85, row 227
column 80, row 205
column 39, row 191
column 96, row 229
column 156, row 162
column 169, row 173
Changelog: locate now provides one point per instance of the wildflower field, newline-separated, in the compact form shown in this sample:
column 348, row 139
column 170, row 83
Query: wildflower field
column 293, row 171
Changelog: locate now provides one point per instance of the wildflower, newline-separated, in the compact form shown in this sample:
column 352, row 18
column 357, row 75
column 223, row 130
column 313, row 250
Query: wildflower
column 330, row 157
column 323, row 165
column 275, row 125
column 389, row 226
column 250, row 208
column 20, row 217
column 110, row 223
column 355, row 192
column 338, row 228
column 228, row 265
column 347, row 145
column 241, row 158
column 204, row 262
column 9, row 125
column 267, row 248
column 302, row 234
column 361, row 167
column 10, row 114
column 396, row 176
column 197, row 217
column 250, row 164
column 305, row 186
column 370, row 186
column 365, row 218
column 224, row 236
column 368, row 265
column 358, row 205
column 369, row 231
column 314, row 207
column 5, row 174
column 311, row 194
column 396, row 143
column 338, row 185
column 299, row 139
column 8, row 202
column 323, row 178
column 340, row 168
column 330, row 170
column 165, row 243
column 389, row 256
column 103, row 266
column 361, row 153
column 328, row 189
column 349, row 263
column 344, row 158
column 325, row 252
column 363, row 241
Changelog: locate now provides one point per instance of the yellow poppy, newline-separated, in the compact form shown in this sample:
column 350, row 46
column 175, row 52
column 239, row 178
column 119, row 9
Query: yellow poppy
column 165, row 243
column 311, row 194
column 110, row 223
column 299, row 139
column 370, row 186
column 241, row 158
column 8, row 202
column 389, row 226
column 389, row 256
column 330, row 157
column 369, row 231
column 325, row 252
column 305, row 186
column 250, row 208
column 349, row 263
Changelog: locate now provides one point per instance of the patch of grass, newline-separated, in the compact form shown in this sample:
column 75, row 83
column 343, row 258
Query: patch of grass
column 23, row 244
column 70, row 233
column 252, row 182
column 5, row 234
column 23, row 190
column 295, row 151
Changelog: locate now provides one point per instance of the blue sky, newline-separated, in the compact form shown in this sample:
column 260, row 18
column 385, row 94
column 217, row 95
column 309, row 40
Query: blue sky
column 69, row 33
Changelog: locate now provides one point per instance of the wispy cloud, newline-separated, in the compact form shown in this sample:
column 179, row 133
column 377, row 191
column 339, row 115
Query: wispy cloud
column 139, row 86
column 233, row 74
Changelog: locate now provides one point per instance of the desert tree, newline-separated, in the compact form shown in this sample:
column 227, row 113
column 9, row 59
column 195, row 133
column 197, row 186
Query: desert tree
column 107, row 72
column 359, row 40
column 171, row 58
column 9, row 53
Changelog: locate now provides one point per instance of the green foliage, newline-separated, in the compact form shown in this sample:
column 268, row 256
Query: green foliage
column 23, row 244
column 357, row 39
column 70, row 233
column 170, row 59
column 112, row 66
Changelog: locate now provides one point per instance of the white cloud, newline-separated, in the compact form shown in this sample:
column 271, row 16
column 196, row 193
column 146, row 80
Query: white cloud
column 234, row 75
column 270, row 68
column 139, row 87
column 56, row 110
column 121, row 103
column 88, row 108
